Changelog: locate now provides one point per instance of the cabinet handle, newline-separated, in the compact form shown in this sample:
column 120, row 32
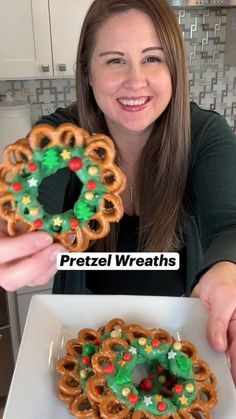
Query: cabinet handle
column 45, row 68
column 1, row 336
column 62, row 67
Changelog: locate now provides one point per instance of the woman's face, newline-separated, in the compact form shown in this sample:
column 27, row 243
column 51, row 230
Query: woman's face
column 128, row 73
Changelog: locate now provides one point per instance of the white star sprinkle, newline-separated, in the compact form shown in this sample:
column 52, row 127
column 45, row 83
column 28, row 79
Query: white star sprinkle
column 171, row 355
column 133, row 350
column 147, row 401
column 32, row 182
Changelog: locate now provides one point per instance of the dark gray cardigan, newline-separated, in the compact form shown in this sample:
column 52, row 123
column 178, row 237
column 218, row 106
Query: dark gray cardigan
column 211, row 196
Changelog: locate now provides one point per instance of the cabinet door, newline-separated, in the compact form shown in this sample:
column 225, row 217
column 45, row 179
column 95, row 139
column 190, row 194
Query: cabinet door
column 25, row 48
column 66, row 21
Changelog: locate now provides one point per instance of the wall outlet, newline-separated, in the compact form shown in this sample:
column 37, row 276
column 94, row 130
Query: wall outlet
column 48, row 108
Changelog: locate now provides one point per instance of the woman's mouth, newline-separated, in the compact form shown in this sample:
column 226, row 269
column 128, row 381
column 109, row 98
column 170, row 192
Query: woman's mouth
column 134, row 104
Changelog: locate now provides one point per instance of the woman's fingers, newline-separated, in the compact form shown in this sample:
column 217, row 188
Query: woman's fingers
column 221, row 313
column 28, row 271
column 232, row 345
column 27, row 259
column 23, row 245
column 217, row 290
column 44, row 278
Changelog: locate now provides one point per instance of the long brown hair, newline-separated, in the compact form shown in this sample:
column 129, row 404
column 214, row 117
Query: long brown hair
column 163, row 164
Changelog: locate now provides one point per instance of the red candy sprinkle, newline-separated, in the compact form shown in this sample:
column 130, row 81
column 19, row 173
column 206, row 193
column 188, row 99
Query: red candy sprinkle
column 96, row 342
column 146, row 384
column 17, row 186
column 32, row 167
column 86, row 360
column 160, row 368
column 133, row 398
column 75, row 164
column 74, row 222
column 110, row 369
column 38, row 223
column 166, row 393
column 169, row 384
column 91, row 185
column 127, row 356
column 178, row 389
column 156, row 343
column 162, row 406
column 98, row 389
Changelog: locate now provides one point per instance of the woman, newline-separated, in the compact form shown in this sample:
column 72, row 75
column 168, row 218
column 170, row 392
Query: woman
column 178, row 159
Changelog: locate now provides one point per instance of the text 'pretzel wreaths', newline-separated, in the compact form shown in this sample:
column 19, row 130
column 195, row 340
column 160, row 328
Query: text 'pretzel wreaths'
column 98, row 375
column 91, row 157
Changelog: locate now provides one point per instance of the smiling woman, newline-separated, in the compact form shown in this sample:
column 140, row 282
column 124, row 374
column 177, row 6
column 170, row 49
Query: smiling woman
column 131, row 90
column 131, row 81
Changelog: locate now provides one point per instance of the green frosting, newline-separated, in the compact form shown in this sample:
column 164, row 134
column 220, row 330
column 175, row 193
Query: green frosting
column 123, row 377
column 168, row 386
column 51, row 159
column 45, row 163
column 89, row 349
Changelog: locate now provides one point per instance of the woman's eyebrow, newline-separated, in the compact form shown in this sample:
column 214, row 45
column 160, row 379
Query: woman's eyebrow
column 122, row 54
column 111, row 52
column 152, row 49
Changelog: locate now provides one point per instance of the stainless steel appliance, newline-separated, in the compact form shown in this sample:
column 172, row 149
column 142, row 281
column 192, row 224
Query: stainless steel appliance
column 6, row 353
column 203, row 3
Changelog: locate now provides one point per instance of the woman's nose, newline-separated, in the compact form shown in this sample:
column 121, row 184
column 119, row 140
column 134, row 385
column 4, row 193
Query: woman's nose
column 135, row 77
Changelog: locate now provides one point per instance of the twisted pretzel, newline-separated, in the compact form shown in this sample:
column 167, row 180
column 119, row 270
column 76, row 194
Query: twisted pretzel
column 29, row 161
column 97, row 389
column 179, row 384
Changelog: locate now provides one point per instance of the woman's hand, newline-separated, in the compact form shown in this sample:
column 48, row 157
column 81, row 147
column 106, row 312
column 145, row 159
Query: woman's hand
column 217, row 290
column 27, row 259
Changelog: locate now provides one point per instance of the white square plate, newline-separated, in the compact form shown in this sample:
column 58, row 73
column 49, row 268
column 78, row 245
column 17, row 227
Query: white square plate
column 53, row 319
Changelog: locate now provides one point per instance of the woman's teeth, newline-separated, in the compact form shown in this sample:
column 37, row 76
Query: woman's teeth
column 133, row 102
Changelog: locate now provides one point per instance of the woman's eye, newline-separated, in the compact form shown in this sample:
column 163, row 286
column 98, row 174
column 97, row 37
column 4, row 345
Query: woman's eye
column 153, row 59
column 115, row 61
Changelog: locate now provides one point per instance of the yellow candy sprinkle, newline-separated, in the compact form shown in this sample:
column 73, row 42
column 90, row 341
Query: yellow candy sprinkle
column 158, row 398
column 142, row 341
column 34, row 211
column 148, row 349
column 183, row 400
column 162, row 379
column 65, row 154
column 83, row 374
column 57, row 221
column 89, row 196
column 177, row 346
column 92, row 170
column 189, row 387
column 116, row 334
column 125, row 391
column 26, row 200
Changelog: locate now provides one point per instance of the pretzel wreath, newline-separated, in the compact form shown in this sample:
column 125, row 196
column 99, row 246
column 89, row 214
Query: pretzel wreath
column 97, row 375
column 29, row 161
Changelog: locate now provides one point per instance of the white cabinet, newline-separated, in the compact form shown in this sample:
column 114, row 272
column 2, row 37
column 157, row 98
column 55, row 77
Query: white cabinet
column 66, row 18
column 39, row 38
column 25, row 47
